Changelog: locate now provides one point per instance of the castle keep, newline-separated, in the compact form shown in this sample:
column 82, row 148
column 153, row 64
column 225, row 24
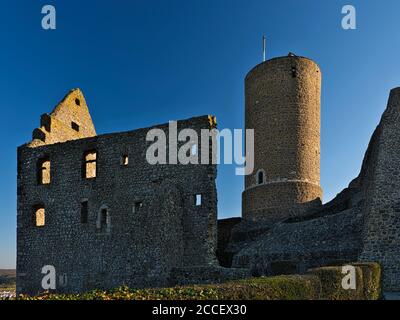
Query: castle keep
column 283, row 107
column 94, row 208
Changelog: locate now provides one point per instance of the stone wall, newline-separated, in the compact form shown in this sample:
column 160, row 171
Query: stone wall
column 207, row 274
column 293, row 247
column 296, row 199
column 362, row 223
column 142, row 219
column 381, row 234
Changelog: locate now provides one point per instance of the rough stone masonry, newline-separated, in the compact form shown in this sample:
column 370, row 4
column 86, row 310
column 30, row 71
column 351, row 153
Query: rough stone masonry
column 94, row 208
column 91, row 205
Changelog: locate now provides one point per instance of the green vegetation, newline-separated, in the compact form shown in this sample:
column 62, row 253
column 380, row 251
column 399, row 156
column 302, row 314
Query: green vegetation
column 319, row 283
column 293, row 287
column 331, row 284
column 371, row 278
column 9, row 287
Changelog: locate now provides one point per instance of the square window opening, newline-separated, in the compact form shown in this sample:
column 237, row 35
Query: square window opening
column 75, row 126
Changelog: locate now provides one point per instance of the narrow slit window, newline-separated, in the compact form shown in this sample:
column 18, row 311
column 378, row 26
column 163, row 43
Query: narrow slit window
column 103, row 222
column 260, row 177
column 90, row 165
column 124, row 160
column 43, row 171
column 294, row 72
column 63, row 280
column 84, row 212
column 193, row 150
column 137, row 205
column 39, row 216
column 75, row 126
column 198, row 200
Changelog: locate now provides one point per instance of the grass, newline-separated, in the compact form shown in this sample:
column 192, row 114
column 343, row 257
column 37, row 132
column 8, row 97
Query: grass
column 10, row 287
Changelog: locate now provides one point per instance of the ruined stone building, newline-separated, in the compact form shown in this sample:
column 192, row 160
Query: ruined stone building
column 92, row 206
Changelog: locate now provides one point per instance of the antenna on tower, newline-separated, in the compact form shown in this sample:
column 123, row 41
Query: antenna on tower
column 264, row 47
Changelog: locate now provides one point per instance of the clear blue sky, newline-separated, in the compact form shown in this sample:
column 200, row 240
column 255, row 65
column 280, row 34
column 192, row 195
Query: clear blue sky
column 146, row 62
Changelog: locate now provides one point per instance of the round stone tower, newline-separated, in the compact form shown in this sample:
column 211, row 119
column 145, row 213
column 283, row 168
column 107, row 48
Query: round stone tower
column 283, row 107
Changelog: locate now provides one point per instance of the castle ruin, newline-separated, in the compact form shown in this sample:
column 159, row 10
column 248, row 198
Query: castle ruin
column 92, row 206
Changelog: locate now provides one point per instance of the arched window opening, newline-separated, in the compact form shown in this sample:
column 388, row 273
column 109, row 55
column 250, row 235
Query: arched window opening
column 43, row 171
column 104, row 220
column 39, row 215
column 260, row 177
column 137, row 206
column 90, row 164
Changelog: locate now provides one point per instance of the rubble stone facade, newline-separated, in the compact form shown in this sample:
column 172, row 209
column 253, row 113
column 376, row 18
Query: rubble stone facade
column 381, row 232
column 95, row 209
